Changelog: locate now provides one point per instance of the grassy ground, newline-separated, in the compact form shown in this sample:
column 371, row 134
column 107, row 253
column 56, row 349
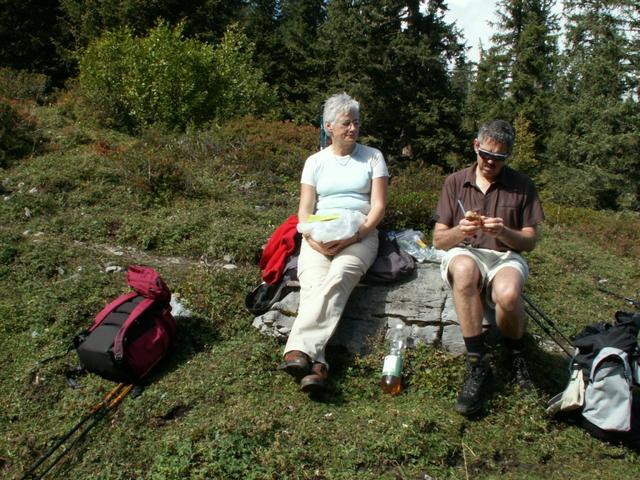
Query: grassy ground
column 217, row 407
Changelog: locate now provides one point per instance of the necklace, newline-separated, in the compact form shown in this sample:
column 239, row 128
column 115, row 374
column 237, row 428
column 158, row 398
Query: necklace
column 342, row 159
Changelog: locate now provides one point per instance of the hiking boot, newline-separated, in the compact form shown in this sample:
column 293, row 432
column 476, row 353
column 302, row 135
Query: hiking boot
column 296, row 363
column 316, row 381
column 521, row 375
column 477, row 380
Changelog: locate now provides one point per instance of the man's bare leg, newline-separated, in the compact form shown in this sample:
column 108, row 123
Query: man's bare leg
column 506, row 293
column 466, row 285
column 466, row 282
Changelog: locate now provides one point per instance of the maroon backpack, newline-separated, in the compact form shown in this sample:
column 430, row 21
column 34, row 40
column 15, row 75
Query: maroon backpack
column 133, row 332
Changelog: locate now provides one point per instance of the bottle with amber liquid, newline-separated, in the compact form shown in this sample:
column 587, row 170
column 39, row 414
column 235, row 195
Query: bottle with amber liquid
column 391, row 381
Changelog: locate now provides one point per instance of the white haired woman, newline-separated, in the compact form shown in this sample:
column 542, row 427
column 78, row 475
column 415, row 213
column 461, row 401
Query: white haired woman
column 344, row 176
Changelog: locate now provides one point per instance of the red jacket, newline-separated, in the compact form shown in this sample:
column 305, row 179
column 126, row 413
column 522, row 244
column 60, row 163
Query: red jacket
column 281, row 244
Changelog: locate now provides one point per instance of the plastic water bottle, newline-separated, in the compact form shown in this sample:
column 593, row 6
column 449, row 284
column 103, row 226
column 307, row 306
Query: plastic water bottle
column 391, row 381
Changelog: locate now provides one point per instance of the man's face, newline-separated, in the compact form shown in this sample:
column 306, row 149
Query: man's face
column 491, row 156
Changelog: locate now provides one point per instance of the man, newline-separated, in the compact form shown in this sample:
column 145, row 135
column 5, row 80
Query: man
column 486, row 215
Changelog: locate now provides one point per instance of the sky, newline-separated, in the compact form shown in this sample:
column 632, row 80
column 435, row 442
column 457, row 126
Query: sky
column 471, row 16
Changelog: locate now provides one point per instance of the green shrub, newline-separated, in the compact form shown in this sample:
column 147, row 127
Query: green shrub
column 263, row 146
column 19, row 134
column 165, row 79
column 259, row 159
column 154, row 170
column 413, row 195
column 617, row 231
column 22, row 85
column 588, row 186
column 136, row 82
column 240, row 84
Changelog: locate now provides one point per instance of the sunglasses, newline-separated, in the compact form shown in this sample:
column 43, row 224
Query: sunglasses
column 496, row 157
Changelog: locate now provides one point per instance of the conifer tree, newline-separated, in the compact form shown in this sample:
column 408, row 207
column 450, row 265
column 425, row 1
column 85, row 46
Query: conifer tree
column 515, row 76
column 396, row 59
column 301, row 71
column 524, row 157
column 631, row 16
column 28, row 32
column 594, row 141
column 86, row 20
column 488, row 92
column 285, row 34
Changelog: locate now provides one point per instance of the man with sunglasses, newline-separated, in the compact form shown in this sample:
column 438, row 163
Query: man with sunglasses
column 482, row 264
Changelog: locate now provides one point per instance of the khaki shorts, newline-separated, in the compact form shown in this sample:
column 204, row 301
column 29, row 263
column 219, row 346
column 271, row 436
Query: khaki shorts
column 489, row 263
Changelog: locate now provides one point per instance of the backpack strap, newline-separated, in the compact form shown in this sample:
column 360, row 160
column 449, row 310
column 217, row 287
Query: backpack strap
column 118, row 347
column 110, row 308
column 608, row 352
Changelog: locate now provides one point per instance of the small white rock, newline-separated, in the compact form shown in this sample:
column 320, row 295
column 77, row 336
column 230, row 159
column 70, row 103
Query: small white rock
column 113, row 269
column 229, row 266
column 178, row 309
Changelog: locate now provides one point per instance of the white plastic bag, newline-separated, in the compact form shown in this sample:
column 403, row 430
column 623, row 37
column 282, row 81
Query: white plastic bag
column 345, row 226
column 414, row 243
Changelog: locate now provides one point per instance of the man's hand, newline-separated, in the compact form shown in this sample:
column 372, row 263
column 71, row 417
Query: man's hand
column 469, row 227
column 493, row 226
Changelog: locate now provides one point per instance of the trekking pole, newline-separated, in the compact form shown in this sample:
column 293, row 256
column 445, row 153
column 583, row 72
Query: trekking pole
column 630, row 301
column 547, row 319
column 98, row 412
column 546, row 330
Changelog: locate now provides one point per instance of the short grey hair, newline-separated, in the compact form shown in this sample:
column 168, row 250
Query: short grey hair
column 337, row 105
column 498, row 131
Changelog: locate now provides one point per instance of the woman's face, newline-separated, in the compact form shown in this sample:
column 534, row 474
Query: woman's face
column 345, row 129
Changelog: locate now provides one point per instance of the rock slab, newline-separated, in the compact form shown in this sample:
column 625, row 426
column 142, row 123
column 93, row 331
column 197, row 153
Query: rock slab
column 423, row 304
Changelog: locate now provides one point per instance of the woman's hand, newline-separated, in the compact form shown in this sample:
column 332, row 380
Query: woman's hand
column 317, row 246
column 337, row 246
column 331, row 248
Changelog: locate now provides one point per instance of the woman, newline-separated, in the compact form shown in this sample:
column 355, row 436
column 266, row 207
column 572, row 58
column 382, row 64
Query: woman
column 344, row 176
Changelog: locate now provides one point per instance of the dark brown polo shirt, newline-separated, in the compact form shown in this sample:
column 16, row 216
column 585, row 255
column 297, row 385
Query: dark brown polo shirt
column 512, row 197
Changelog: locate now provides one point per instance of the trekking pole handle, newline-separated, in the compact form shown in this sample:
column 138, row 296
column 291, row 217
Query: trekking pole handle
column 125, row 391
column 97, row 412
column 105, row 400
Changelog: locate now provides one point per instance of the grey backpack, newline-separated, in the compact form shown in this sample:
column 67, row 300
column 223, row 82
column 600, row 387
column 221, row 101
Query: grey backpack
column 600, row 393
column 608, row 393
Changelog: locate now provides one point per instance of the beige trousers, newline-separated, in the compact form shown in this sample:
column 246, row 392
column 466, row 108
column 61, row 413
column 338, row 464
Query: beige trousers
column 325, row 286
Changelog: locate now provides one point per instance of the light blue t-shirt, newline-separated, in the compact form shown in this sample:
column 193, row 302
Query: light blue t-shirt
column 344, row 183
